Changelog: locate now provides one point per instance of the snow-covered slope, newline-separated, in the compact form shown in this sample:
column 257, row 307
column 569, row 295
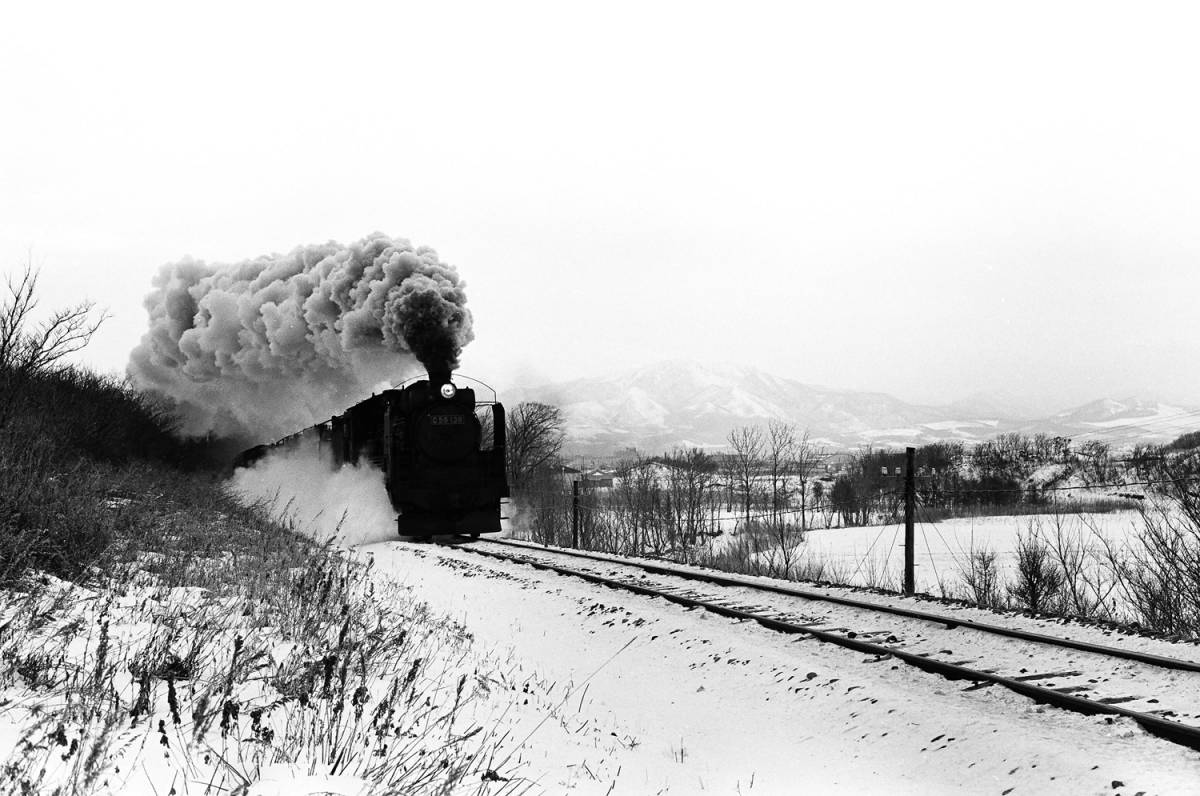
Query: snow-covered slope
column 661, row 406
column 1131, row 414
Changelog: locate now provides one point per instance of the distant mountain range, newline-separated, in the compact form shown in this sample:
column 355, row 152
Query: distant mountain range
column 669, row 404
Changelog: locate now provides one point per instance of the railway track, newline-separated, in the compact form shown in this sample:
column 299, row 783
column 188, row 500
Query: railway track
column 1077, row 675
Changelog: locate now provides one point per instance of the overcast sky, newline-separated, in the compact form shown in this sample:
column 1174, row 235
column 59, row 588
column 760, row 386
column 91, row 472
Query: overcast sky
column 924, row 199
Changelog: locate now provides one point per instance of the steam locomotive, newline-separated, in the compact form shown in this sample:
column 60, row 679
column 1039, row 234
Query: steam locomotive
column 441, row 451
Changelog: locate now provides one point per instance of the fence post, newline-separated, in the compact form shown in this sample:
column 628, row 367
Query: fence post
column 575, row 514
column 910, row 505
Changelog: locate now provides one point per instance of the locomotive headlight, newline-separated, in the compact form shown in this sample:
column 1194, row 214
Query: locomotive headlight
column 449, row 391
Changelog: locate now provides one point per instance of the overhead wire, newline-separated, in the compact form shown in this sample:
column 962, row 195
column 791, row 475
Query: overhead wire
column 920, row 510
column 891, row 548
column 1040, row 490
column 929, row 552
column 882, row 528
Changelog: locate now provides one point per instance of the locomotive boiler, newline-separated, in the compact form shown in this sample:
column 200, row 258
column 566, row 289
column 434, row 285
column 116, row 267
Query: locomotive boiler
column 439, row 446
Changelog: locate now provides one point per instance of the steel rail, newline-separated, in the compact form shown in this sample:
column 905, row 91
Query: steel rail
column 1173, row 731
column 1025, row 635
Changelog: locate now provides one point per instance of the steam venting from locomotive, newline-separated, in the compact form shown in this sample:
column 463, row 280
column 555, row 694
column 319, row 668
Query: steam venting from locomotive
column 348, row 505
column 259, row 348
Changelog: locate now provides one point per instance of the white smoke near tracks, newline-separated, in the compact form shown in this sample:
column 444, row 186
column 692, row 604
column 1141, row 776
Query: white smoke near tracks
column 348, row 505
column 264, row 347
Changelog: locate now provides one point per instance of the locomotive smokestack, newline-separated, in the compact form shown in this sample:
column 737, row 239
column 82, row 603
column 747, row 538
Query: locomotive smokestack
column 439, row 375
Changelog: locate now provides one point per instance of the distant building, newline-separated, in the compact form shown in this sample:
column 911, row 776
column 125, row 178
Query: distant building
column 597, row 479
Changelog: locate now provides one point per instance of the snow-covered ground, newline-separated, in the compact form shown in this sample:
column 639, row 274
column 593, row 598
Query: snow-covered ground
column 678, row 701
column 590, row 691
column 666, row 700
column 157, row 691
column 943, row 549
column 564, row 686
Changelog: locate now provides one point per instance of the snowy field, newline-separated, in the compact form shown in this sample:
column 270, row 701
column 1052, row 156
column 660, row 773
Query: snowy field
column 860, row 555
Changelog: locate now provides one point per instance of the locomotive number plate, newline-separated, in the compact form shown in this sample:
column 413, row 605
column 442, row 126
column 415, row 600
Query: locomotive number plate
column 447, row 420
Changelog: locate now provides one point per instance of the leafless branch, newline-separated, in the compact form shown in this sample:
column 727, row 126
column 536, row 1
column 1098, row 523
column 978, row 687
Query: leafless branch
column 28, row 349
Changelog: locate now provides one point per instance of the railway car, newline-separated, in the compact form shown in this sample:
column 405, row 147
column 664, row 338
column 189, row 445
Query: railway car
column 439, row 446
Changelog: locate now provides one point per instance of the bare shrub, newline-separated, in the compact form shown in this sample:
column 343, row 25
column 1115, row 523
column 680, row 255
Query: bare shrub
column 820, row 570
column 544, row 509
column 753, row 552
column 1039, row 581
column 981, row 577
column 743, row 554
column 877, row 574
column 1158, row 576
column 1087, row 583
column 788, row 542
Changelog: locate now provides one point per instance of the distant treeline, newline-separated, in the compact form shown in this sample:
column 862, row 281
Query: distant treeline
column 1185, row 442
column 774, row 478
column 1006, row 472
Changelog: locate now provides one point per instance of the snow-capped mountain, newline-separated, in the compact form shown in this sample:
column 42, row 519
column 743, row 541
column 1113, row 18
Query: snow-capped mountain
column 1129, row 419
column 669, row 404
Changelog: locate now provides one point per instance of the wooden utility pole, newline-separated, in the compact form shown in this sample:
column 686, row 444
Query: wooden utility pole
column 910, row 509
column 575, row 514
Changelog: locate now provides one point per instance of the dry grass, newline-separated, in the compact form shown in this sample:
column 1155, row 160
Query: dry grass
column 226, row 643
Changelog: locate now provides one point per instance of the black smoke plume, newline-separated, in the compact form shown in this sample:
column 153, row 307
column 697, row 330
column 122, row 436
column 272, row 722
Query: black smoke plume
column 261, row 348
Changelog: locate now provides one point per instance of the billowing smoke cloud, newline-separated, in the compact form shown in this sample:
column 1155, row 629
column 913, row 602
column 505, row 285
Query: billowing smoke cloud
column 264, row 347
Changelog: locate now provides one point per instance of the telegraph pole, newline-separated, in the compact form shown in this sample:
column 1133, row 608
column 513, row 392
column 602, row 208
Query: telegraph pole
column 910, row 507
column 575, row 515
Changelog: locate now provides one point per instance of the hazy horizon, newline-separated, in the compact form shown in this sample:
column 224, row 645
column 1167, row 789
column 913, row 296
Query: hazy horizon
column 931, row 201
column 1018, row 404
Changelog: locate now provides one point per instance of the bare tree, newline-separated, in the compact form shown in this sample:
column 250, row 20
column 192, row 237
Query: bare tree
column 806, row 457
column 1095, row 462
column 844, row 499
column 747, row 444
column 633, row 500
column 780, row 452
column 819, row 501
column 535, row 437
column 28, row 349
column 691, row 489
